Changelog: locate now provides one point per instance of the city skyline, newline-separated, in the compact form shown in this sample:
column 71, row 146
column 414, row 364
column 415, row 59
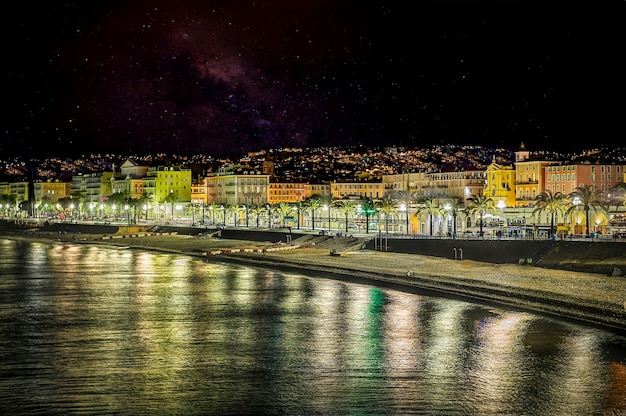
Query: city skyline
column 225, row 78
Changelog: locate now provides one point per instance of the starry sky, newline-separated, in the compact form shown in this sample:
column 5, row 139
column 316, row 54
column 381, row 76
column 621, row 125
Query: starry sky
column 227, row 77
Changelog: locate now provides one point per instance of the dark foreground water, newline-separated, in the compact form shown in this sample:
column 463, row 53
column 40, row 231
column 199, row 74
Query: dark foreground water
column 95, row 330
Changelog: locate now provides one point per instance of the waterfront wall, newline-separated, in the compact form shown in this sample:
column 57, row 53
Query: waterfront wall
column 598, row 256
column 490, row 251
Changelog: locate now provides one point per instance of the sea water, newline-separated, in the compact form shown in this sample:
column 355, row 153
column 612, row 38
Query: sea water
column 101, row 330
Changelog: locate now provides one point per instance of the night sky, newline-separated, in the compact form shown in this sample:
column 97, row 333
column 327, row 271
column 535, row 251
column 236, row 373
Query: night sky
column 227, row 77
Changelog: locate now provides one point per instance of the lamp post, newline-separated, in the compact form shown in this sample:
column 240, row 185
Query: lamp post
column 297, row 216
column 447, row 207
column 177, row 216
column 576, row 201
column 501, row 205
column 327, row 208
column 403, row 209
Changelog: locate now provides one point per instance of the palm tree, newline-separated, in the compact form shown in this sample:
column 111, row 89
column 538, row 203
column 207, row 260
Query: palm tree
column 8, row 201
column 171, row 198
column 553, row 203
column 45, row 202
column 213, row 208
column 405, row 198
column 481, row 205
column 131, row 204
column 145, row 200
column 589, row 199
column 617, row 195
column 284, row 210
column 257, row 210
column 347, row 207
column 455, row 207
column 369, row 208
column 192, row 209
column 431, row 208
column 313, row 203
column 236, row 210
column 78, row 199
column 388, row 207
column 269, row 208
column 298, row 207
column 327, row 202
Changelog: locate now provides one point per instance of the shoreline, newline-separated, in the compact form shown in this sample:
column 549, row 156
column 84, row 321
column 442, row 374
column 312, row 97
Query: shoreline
column 584, row 298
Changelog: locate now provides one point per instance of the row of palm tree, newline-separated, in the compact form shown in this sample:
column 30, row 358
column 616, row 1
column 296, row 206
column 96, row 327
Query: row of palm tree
column 390, row 208
column 556, row 203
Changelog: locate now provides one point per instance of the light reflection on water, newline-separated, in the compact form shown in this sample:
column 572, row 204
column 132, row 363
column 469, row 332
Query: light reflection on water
column 98, row 330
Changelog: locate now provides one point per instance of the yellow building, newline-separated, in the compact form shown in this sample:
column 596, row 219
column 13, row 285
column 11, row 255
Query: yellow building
column 236, row 185
column 168, row 184
column 414, row 183
column 91, row 187
column 530, row 180
column 288, row 192
column 51, row 191
column 357, row 190
column 500, row 184
column 198, row 192
column 321, row 190
column 438, row 185
column 454, row 184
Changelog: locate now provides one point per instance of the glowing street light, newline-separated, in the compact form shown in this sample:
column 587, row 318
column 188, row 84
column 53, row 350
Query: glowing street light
column 327, row 208
column 295, row 209
column 501, row 205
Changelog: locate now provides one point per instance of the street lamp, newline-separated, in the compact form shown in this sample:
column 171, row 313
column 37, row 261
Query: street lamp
column 178, row 208
column 448, row 207
column 576, row 201
column 327, row 208
column 501, row 205
column 297, row 216
column 403, row 209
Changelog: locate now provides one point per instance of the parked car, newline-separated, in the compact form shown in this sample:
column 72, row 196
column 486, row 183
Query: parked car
column 619, row 235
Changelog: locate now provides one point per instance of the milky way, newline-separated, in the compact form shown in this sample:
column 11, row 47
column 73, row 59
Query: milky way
column 225, row 77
